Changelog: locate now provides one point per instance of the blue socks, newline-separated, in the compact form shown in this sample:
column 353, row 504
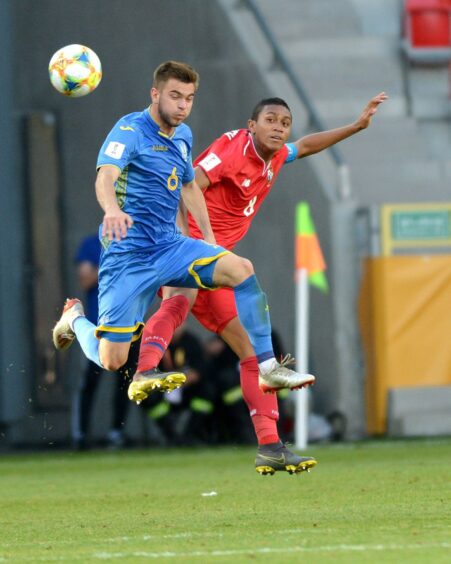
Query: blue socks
column 253, row 312
column 84, row 330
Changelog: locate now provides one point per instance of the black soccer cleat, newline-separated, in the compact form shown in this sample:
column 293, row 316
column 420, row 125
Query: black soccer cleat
column 276, row 457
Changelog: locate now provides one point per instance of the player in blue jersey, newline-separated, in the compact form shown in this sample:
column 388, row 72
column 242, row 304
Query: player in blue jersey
column 144, row 167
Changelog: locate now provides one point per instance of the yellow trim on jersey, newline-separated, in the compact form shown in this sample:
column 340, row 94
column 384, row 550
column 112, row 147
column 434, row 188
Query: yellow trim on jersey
column 165, row 134
column 137, row 336
column 137, row 329
column 203, row 262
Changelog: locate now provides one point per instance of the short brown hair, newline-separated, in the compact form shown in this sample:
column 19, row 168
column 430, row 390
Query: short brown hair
column 173, row 69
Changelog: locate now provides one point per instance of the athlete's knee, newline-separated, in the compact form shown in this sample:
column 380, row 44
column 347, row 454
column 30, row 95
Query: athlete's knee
column 189, row 294
column 231, row 270
column 112, row 358
column 112, row 364
column 246, row 269
column 241, row 271
column 181, row 297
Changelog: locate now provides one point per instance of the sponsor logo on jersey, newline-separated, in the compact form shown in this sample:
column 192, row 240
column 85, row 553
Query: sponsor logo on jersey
column 184, row 150
column 126, row 128
column 159, row 148
column 115, row 149
column 246, row 183
column 210, row 162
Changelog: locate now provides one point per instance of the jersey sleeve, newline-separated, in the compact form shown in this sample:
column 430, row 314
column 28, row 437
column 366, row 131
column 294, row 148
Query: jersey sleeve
column 119, row 147
column 292, row 152
column 188, row 176
column 186, row 145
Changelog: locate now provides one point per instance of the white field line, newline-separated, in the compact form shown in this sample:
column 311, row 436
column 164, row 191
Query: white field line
column 139, row 538
column 386, row 443
column 250, row 551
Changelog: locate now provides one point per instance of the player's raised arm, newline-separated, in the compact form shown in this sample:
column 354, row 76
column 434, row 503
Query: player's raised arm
column 195, row 203
column 316, row 142
column 115, row 221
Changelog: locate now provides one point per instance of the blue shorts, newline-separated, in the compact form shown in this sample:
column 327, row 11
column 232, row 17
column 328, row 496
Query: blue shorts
column 128, row 282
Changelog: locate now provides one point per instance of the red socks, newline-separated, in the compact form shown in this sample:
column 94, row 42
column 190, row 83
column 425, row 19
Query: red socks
column 159, row 329
column 263, row 407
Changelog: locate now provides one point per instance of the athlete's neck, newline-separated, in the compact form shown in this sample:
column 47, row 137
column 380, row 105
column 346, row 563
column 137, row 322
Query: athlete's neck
column 263, row 152
column 164, row 127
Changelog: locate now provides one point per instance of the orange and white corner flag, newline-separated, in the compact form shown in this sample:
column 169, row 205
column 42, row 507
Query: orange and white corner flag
column 307, row 249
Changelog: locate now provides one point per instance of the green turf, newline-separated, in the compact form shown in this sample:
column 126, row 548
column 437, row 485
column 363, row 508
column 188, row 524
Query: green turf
column 370, row 502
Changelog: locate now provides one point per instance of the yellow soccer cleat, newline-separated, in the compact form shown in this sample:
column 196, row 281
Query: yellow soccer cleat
column 144, row 383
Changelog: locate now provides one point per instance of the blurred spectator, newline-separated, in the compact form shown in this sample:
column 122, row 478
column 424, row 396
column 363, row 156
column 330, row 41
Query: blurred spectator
column 209, row 408
column 175, row 413
column 230, row 421
column 87, row 260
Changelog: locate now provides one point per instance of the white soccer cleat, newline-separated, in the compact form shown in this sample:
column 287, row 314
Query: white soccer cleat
column 63, row 334
column 280, row 377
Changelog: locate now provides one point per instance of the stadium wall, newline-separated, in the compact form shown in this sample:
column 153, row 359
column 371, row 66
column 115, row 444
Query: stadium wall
column 131, row 38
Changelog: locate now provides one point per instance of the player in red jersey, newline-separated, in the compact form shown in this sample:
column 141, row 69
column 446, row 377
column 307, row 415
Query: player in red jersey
column 236, row 173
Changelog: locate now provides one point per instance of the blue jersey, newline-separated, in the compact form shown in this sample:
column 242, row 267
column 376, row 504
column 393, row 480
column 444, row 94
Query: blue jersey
column 153, row 168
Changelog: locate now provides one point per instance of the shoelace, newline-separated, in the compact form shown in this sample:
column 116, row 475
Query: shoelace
column 287, row 360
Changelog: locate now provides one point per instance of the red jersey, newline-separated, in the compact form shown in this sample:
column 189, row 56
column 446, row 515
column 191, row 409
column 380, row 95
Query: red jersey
column 239, row 182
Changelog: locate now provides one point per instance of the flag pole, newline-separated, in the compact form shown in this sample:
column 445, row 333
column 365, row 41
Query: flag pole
column 309, row 269
column 302, row 315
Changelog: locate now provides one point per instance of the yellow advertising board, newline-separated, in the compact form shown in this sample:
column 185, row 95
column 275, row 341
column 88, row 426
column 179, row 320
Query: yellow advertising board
column 405, row 305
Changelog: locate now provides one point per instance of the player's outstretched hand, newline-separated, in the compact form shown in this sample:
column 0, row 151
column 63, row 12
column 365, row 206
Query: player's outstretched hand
column 370, row 109
column 116, row 224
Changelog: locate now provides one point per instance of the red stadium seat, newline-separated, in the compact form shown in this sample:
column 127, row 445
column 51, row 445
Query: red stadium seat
column 428, row 23
column 427, row 30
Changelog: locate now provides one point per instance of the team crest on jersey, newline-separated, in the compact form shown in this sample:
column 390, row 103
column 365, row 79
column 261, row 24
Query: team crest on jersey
column 159, row 148
column 270, row 174
column 183, row 150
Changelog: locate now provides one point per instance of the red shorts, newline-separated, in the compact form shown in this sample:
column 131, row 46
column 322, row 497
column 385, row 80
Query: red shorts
column 214, row 309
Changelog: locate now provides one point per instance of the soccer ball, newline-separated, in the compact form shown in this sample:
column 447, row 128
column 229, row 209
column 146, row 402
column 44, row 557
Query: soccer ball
column 75, row 70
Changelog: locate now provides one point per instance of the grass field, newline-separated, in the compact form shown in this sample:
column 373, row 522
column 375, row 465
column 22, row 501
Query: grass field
column 368, row 502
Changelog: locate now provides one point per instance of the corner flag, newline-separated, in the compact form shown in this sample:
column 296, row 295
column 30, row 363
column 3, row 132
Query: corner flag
column 308, row 251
